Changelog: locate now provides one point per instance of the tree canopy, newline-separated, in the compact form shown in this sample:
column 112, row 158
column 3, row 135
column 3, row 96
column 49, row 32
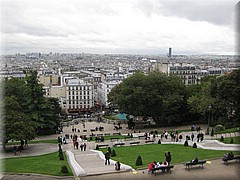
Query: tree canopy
column 155, row 95
column 168, row 101
column 26, row 112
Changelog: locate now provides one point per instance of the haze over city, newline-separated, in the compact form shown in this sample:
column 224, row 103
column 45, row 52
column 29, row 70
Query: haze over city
column 118, row 27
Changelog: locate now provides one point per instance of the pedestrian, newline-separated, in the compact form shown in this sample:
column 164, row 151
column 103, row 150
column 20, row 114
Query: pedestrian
column 76, row 143
column 192, row 136
column 84, row 146
column 81, row 147
column 117, row 166
column 107, row 158
column 14, row 150
column 168, row 157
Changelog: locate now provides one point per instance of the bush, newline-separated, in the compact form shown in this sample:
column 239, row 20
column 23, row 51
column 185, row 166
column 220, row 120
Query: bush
column 231, row 141
column 194, row 145
column 113, row 153
column 159, row 141
column 222, row 139
column 219, row 127
column 64, row 169
column 97, row 147
column 139, row 161
column 186, row 143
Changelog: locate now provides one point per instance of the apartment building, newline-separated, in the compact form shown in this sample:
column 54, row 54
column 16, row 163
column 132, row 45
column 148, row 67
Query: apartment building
column 79, row 96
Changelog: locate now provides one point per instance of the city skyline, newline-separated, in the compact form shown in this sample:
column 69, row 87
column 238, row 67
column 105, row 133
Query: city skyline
column 118, row 27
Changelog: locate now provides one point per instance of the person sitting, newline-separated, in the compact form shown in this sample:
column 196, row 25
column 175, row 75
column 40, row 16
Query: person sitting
column 117, row 166
column 151, row 166
column 165, row 164
column 195, row 159
column 230, row 155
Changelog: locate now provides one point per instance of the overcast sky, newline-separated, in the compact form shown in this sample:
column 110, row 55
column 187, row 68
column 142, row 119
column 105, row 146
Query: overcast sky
column 118, row 26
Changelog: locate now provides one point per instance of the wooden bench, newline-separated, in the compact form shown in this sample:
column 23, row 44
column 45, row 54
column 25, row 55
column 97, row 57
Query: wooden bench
column 143, row 136
column 118, row 133
column 114, row 138
column 92, row 130
column 99, row 134
column 127, row 137
column 137, row 142
column 107, row 134
column 149, row 141
column 103, row 145
column 225, row 160
column 190, row 164
column 119, row 144
column 163, row 169
column 84, row 130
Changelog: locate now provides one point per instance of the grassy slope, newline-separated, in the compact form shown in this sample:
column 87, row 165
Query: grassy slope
column 44, row 164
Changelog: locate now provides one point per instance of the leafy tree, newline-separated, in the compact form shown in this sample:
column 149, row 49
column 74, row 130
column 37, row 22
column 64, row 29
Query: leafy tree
column 155, row 95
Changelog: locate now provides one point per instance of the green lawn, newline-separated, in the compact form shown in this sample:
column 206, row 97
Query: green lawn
column 44, row 164
column 236, row 140
column 155, row 152
column 231, row 130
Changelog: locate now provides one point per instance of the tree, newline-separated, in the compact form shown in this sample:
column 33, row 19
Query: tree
column 155, row 95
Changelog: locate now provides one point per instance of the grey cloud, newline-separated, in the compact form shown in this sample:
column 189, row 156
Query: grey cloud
column 215, row 11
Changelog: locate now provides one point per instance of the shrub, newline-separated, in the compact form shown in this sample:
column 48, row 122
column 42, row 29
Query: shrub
column 113, row 153
column 222, row 139
column 219, row 127
column 139, row 161
column 231, row 141
column 97, row 147
column 64, row 169
column 194, row 145
column 186, row 143
column 159, row 141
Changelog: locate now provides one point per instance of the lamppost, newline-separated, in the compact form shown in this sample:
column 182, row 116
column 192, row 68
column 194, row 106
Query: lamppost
column 209, row 118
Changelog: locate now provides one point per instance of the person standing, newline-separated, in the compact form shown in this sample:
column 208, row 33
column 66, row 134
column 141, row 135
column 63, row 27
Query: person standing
column 84, row 146
column 168, row 157
column 192, row 136
column 107, row 158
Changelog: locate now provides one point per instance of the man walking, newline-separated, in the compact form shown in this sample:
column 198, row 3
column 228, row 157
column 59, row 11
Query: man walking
column 107, row 158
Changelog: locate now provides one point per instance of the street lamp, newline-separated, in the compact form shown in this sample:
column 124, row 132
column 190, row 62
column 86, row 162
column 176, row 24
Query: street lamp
column 209, row 117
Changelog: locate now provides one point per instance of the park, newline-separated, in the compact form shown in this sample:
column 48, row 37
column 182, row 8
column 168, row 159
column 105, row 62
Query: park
column 92, row 165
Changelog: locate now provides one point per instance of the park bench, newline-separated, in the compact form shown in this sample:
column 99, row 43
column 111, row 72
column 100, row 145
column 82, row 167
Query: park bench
column 118, row 133
column 143, row 136
column 190, row 164
column 163, row 169
column 103, row 145
column 92, row 130
column 127, row 137
column 99, row 134
column 136, row 142
column 85, row 130
column 107, row 134
column 116, row 138
column 119, row 144
column 225, row 160
column 149, row 141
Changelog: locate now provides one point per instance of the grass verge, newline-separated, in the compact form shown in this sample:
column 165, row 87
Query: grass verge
column 44, row 164
column 236, row 140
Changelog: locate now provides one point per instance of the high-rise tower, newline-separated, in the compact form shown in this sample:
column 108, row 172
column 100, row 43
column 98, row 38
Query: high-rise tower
column 170, row 52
